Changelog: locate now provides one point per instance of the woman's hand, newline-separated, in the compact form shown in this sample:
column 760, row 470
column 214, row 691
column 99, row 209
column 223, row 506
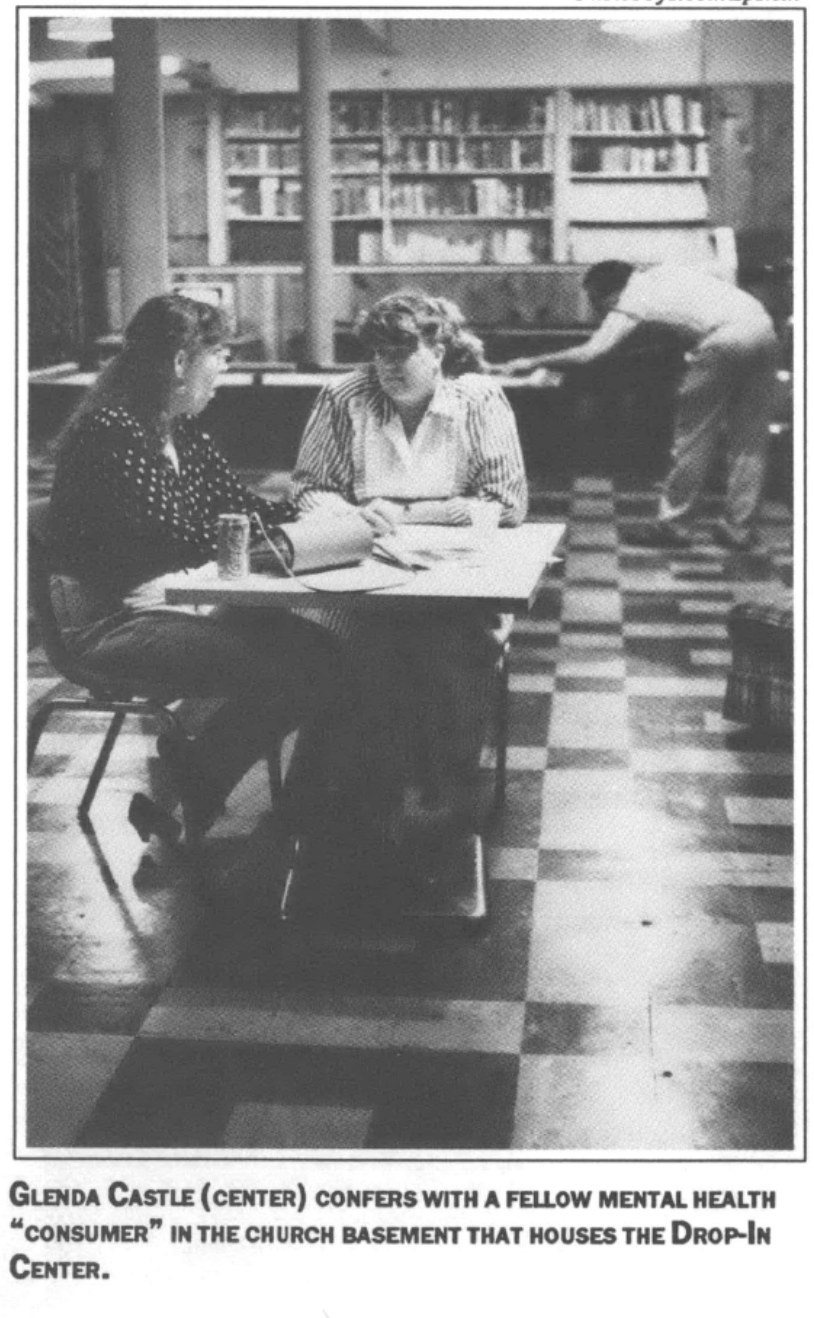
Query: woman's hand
column 543, row 378
column 382, row 514
column 439, row 512
column 457, row 512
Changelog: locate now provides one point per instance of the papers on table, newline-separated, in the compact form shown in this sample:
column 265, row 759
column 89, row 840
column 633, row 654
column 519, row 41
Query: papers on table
column 369, row 575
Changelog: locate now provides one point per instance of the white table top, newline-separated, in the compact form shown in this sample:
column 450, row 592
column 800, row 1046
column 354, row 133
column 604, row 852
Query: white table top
column 506, row 573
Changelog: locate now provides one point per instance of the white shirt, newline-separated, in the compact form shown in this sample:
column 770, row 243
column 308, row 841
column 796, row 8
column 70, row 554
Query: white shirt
column 690, row 301
column 354, row 448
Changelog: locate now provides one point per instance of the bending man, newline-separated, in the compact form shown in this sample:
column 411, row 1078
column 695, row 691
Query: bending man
column 730, row 356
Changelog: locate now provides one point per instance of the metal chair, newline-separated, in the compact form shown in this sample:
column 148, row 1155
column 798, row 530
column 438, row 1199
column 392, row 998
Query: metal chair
column 116, row 697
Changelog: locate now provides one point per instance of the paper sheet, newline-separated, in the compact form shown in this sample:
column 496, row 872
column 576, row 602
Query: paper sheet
column 363, row 576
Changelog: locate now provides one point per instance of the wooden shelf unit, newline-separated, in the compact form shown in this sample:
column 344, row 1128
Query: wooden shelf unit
column 427, row 179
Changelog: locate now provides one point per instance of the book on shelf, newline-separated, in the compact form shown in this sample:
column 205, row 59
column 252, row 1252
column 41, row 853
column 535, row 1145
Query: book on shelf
column 416, row 155
column 369, row 248
column 489, row 112
column 678, row 157
column 269, row 195
column 357, row 197
column 275, row 118
column 288, row 154
column 242, row 200
column 509, row 246
column 670, row 112
column 480, row 198
column 414, row 247
column 360, row 157
column 351, row 116
column 245, row 156
column 280, row 198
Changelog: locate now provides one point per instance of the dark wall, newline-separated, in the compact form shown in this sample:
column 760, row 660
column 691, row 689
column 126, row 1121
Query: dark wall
column 614, row 419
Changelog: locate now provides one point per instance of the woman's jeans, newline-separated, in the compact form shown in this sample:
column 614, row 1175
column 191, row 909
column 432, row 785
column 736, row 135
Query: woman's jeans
column 271, row 671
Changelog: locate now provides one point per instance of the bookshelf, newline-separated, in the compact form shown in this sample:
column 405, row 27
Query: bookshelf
column 639, row 165
column 484, row 179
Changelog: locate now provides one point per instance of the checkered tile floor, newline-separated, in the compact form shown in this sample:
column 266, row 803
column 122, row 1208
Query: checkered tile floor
column 633, row 992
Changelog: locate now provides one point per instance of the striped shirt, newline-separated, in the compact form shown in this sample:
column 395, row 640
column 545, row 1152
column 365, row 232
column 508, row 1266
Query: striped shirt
column 354, row 448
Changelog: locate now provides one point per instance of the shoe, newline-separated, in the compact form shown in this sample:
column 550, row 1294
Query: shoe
column 200, row 798
column 658, row 535
column 149, row 820
column 740, row 541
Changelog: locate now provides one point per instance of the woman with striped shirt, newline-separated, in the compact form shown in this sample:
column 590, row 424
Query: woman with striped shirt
column 417, row 436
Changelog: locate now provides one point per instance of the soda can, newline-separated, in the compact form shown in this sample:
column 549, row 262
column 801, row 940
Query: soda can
column 233, row 545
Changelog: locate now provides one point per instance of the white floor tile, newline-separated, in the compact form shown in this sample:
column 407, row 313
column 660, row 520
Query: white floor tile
column 588, row 719
column 721, row 1034
column 341, row 1021
column 591, row 1102
column 676, row 686
column 512, row 864
column 776, row 942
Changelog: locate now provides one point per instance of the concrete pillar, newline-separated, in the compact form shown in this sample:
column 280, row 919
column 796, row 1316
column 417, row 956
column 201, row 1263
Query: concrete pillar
column 314, row 60
column 138, row 122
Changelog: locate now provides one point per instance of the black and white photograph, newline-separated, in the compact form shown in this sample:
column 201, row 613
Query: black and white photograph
column 411, row 487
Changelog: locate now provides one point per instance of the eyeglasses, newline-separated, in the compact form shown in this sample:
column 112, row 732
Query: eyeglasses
column 394, row 354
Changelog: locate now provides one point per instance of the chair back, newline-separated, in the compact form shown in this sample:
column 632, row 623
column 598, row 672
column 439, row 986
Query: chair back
column 43, row 573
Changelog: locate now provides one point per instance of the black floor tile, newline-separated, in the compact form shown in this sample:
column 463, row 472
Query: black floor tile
column 519, row 824
column 181, row 1095
column 70, row 1007
column 529, row 717
column 581, row 1028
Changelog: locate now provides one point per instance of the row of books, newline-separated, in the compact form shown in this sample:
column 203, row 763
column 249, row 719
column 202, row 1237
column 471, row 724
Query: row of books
column 285, row 157
column 281, row 198
column 493, row 113
column 490, row 198
column 268, row 198
column 497, row 247
column 670, row 113
column 416, row 154
column 357, row 197
column 281, row 117
column 274, row 118
column 352, row 115
column 675, row 158
column 511, row 112
column 245, row 157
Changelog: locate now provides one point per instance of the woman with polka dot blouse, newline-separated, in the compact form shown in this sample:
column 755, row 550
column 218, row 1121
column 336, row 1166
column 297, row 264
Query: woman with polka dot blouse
column 137, row 494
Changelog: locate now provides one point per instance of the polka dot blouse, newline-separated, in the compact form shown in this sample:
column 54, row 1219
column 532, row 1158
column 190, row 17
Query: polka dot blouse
column 120, row 509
